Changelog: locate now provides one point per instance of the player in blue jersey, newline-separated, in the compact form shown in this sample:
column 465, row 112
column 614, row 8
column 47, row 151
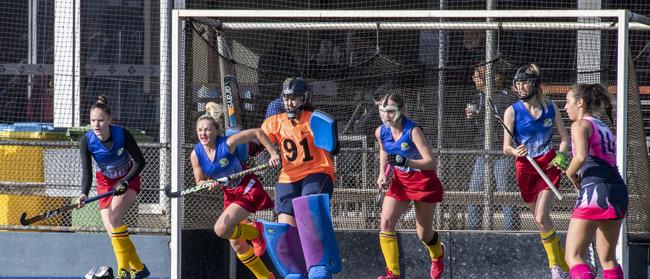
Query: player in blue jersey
column 603, row 200
column 404, row 147
column 215, row 157
column 532, row 119
column 118, row 162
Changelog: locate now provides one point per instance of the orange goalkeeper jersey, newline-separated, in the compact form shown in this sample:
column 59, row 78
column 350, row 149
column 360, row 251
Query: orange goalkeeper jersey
column 300, row 157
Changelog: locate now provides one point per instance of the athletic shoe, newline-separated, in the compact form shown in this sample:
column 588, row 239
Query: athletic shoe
column 123, row 274
column 259, row 245
column 558, row 273
column 389, row 275
column 438, row 265
column 144, row 273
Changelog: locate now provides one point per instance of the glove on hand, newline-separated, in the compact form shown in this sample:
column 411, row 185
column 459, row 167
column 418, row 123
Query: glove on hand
column 120, row 188
column 398, row 161
column 561, row 161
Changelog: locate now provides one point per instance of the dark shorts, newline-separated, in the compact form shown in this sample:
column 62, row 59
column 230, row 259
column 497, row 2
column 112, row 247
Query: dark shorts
column 601, row 201
column 317, row 183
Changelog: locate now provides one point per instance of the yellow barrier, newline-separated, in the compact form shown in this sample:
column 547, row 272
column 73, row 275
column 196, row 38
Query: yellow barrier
column 11, row 206
column 21, row 163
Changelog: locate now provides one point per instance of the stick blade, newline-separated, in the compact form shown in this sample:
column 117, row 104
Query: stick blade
column 170, row 194
column 23, row 219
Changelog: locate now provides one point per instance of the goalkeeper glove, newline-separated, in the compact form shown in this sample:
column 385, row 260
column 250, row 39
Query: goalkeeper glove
column 561, row 161
column 398, row 161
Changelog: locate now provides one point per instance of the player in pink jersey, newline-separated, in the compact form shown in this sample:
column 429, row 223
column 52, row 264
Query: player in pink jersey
column 603, row 200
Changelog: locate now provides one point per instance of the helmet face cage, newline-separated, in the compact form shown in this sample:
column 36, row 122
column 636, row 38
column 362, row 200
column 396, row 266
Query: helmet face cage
column 385, row 108
column 532, row 80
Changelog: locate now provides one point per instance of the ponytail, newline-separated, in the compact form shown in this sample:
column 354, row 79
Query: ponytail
column 595, row 97
column 102, row 103
column 214, row 113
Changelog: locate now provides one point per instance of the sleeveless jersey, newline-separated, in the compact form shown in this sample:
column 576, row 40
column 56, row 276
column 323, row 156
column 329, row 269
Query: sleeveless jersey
column 300, row 157
column 403, row 146
column 535, row 134
column 600, row 165
column 114, row 162
column 224, row 163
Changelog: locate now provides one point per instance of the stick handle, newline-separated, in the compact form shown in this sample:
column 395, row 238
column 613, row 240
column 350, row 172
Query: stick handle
column 545, row 178
column 222, row 180
column 248, row 171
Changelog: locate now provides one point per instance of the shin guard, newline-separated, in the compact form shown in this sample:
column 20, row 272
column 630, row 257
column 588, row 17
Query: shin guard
column 283, row 247
column 317, row 235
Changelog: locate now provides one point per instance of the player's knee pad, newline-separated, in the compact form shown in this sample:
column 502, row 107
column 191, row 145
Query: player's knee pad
column 314, row 223
column 284, row 249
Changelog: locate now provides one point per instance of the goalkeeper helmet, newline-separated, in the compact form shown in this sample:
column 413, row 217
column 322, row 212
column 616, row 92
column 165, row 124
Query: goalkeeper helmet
column 525, row 73
column 296, row 87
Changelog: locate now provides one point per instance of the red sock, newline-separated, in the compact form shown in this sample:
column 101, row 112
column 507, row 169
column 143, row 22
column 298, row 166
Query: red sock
column 613, row 273
column 581, row 271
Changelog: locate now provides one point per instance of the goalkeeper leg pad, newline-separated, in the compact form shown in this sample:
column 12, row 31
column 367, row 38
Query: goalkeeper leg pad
column 283, row 247
column 319, row 246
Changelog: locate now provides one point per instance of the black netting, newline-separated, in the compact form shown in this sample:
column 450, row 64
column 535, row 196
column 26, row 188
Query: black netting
column 349, row 69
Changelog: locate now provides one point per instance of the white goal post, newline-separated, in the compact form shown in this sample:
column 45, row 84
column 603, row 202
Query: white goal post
column 242, row 20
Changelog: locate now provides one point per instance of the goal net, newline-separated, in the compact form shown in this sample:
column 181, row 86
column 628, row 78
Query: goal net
column 441, row 62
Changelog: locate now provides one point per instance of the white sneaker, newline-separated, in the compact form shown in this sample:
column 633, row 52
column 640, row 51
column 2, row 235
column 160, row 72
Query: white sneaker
column 558, row 273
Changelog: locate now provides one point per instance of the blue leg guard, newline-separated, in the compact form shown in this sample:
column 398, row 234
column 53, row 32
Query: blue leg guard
column 283, row 247
column 317, row 235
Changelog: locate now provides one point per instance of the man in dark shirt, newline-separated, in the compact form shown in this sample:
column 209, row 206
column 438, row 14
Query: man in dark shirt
column 502, row 167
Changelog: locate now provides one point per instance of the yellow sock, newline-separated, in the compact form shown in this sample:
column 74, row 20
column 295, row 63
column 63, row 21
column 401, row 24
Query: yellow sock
column 120, row 241
column 134, row 260
column 554, row 250
column 435, row 250
column 255, row 264
column 244, row 231
column 388, row 243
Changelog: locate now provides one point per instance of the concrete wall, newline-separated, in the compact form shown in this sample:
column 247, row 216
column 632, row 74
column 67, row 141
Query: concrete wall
column 71, row 255
column 468, row 255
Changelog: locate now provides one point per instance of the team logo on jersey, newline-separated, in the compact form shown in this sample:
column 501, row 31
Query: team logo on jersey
column 548, row 122
column 224, row 162
column 120, row 151
column 404, row 146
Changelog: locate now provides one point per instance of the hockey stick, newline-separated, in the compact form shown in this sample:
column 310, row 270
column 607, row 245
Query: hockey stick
column 53, row 213
column 230, row 83
column 539, row 170
column 592, row 257
column 380, row 192
column 207, row 184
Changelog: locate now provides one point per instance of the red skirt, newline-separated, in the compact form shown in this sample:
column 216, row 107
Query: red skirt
column 421, row 186
column 249, row 194
column 530, row 182
column 105, row 184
